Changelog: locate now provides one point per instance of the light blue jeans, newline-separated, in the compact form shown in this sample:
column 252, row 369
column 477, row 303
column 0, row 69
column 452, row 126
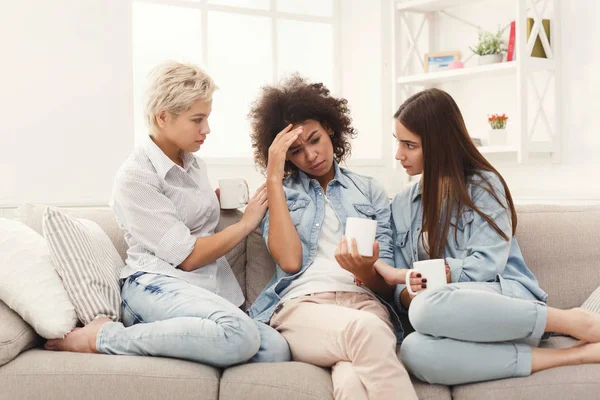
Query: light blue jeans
column 470, row 332
column 168, row 317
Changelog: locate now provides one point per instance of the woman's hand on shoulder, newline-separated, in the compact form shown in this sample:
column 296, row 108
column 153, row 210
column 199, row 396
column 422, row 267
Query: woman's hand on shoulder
column 278, row 151
column 256, row 208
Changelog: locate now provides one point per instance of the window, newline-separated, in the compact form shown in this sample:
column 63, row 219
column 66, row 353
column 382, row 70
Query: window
column 243, row 45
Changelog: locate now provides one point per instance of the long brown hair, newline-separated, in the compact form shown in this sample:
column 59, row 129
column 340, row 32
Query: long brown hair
column 450, row 163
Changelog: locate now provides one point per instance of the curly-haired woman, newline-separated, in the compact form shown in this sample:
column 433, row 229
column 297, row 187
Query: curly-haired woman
column 300, row 133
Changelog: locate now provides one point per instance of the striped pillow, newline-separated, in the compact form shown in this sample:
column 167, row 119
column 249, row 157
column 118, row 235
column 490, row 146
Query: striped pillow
column 87, row 263
column 593, row 302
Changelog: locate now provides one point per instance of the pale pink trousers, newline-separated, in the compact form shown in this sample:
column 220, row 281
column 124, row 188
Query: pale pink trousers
column 352, row 334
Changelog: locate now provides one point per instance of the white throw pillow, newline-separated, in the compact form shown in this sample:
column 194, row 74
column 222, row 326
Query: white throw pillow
column 87, row 262
column 29, row 283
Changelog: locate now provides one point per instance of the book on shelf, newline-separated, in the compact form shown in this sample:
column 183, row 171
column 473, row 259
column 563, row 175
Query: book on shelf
column 510, row 55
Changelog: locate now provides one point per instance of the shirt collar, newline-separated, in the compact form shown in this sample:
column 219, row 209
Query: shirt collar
column 162, row 163
column 338, row 177
column 417, row 190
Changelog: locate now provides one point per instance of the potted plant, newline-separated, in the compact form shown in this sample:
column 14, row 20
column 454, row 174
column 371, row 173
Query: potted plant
column 497, row 135
column 490, row 47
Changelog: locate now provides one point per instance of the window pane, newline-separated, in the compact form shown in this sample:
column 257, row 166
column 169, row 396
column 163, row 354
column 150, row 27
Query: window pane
column 307, row 48
column 240, row 61
column 161, row 33
column 322, row 8
column 256, row 4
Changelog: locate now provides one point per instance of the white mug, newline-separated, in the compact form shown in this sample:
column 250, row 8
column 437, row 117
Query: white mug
column 234, row 192
column 434, row 270
column 363, row 230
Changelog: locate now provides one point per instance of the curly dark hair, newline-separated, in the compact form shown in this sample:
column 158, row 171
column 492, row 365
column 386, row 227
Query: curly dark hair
column 296, row 101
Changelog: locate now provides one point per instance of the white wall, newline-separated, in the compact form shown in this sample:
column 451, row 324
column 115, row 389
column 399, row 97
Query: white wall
column 66, row 99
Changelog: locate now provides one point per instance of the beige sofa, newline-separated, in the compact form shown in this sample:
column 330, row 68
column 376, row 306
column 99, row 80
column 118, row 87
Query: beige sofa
column 560, row 244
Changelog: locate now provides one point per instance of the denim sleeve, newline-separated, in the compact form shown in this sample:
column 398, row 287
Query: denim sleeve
column 399, row 260
column 265, row 223
column 381, row 204
column 487, row 251
column 264, row 228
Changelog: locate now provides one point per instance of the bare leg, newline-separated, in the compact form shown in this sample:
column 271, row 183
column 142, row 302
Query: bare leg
column 79, row 340
column 579, row 354
column 576, row 322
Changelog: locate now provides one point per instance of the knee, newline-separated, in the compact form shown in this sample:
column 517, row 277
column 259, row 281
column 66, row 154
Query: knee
column 273, row 347
column 370, row 326
column 426, row 310
column 243, row 341
column 418, row 354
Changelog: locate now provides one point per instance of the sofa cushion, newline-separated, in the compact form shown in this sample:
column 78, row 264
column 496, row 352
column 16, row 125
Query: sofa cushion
column 29, row 283
column 275, row 381
column 425, row 391
column 260, row 266
column 88, row 264
column 571, row 382
column 16, row 335
column 295, row 381
column 236, row 257
column 560, row 241
column 42, row 374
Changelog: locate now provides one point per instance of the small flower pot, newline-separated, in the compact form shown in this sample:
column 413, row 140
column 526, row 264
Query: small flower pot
column 497, row 137
column 490, row 59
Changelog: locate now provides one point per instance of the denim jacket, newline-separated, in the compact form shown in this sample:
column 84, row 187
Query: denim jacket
column 351, row 195
column 478, row 254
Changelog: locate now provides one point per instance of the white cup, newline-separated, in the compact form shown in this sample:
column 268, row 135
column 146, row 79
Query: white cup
column 434, row 270
column 234, row 192
column 363, row 230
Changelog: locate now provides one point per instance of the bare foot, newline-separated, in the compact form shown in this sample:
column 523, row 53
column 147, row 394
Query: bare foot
column 79, row 340
column 586, row 326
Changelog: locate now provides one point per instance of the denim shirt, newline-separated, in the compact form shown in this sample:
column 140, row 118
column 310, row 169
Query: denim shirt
column 479, row 253
column 351, row 195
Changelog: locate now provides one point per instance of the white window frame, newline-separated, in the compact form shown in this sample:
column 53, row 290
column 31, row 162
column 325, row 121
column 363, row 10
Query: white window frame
column 275, row 16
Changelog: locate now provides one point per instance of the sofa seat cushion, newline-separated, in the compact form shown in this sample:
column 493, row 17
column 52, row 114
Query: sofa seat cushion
column 580, row 382
column 295, row 381
column 425, row 391
column 275, row 381
column 42, row 374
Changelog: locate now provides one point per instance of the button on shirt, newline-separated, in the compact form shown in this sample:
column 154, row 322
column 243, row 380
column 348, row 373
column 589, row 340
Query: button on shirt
column 162, row 208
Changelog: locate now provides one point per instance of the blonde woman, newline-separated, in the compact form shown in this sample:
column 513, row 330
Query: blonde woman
column 180, row 296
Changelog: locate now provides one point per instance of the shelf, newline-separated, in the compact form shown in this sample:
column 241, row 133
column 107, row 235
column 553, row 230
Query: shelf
column 503, row 68
column 496, row 149
column 430, row 5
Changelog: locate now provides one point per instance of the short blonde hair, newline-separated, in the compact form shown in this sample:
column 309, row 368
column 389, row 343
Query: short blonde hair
column 174, row 87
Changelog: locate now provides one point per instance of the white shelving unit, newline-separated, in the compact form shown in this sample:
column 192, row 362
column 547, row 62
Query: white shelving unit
column 405, row 45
